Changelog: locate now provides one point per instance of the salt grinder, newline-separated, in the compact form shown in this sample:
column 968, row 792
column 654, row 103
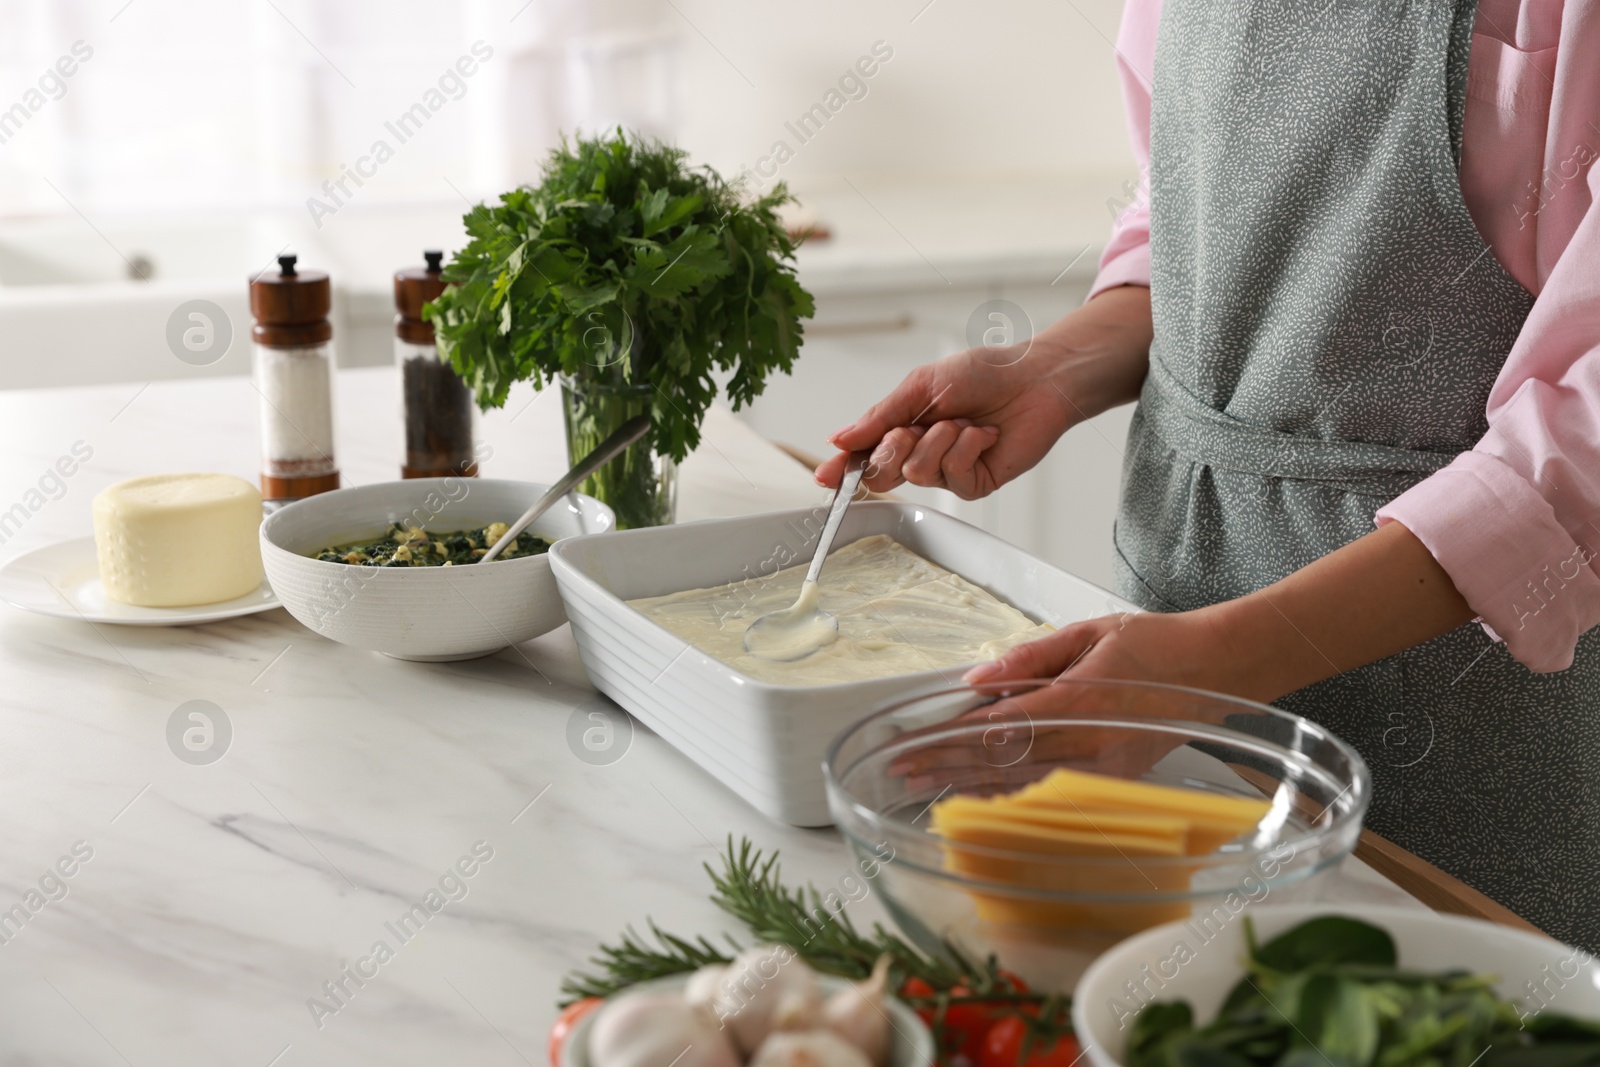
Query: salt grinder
column 293, row 367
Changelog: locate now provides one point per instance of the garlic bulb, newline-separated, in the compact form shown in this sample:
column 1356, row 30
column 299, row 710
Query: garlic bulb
column 764, row 989
column 809, row 1048
column 655, row 1029
column 701, row 989
column 859, row 1015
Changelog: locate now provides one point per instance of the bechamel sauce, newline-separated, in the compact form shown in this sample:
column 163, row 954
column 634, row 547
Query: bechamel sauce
column 897, row 614
column 796, row 631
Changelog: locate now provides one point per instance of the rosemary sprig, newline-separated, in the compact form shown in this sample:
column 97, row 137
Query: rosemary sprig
column 635, row 960
column 749, row 887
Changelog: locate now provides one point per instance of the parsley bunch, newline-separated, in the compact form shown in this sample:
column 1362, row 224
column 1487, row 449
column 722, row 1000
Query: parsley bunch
column 625, row 266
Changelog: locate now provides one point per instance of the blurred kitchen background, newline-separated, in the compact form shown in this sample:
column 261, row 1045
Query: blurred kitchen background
column 158, row 151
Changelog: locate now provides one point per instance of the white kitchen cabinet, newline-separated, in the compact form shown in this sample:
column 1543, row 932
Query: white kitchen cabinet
column 862, row 344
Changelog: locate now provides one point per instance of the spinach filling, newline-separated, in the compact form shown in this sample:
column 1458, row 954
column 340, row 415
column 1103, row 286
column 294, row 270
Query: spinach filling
column 412, row 547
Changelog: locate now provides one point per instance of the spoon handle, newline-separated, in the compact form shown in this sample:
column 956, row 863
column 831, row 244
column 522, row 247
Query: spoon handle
column 603, row 453
column 841, row 500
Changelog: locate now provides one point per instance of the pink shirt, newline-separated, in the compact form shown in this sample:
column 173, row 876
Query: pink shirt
column 1516, row 521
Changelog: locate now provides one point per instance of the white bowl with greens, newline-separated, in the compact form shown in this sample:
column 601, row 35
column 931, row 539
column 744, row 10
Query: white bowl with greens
column 1330, row 987
column 417, row 607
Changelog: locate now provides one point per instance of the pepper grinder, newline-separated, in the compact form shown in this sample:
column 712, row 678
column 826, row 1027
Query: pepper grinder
column 293, row 366
column 437, row 409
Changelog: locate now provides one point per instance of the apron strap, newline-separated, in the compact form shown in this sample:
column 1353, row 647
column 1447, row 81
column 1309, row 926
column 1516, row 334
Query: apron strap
column 1204, row 435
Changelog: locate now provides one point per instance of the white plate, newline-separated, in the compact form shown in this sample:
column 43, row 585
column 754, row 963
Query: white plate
column 63, row 580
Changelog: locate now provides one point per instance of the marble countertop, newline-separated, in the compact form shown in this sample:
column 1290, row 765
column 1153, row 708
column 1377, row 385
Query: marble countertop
column 207, row 904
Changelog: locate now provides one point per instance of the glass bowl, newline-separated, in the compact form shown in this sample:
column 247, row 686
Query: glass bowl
column 885, row 774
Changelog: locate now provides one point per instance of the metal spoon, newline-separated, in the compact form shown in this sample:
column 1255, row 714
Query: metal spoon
column 797, row 631
column 603, row 453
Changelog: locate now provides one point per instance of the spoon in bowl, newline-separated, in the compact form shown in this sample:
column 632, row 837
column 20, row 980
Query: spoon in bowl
column 603, row 453
column 797, row 631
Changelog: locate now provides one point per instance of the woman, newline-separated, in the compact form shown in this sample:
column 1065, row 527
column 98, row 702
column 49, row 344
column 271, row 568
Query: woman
column 1361, row 319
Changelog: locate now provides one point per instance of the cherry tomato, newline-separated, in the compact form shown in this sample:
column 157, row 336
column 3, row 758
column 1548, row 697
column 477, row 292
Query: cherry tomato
column 966, row 1025
column 1002, row 1047
column 914, row 987
column 1016, row 983
column 565, row 1022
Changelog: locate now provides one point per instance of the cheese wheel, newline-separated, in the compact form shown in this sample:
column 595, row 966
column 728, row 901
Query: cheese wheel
column 175, row 540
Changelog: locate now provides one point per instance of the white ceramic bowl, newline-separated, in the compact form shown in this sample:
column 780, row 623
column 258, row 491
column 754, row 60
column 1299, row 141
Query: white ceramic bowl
column 1103, row 1006
column 764, row 741
column 912, row 1044
column 421, row 613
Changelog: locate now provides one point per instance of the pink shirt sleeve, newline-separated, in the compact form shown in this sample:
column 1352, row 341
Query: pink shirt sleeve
column 1126, row 259
column 1513, row 521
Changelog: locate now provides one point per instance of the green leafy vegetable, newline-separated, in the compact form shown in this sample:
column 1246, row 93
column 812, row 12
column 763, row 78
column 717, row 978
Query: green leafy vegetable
column 625, row 267
column 1329, row 993
column 1155, row 1024
column 1325, row 941
column 411, row 546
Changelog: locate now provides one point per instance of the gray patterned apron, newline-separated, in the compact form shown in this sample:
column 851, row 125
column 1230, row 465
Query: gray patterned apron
column 1328, row 324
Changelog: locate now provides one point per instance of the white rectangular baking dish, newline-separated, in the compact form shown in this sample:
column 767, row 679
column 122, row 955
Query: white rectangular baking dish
column 765, row 741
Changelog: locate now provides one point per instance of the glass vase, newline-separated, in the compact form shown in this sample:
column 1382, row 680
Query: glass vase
column 640, row 486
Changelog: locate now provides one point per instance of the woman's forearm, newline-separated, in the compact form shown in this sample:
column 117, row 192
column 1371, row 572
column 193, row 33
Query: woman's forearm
column 1377, row 596
column 1098, row 354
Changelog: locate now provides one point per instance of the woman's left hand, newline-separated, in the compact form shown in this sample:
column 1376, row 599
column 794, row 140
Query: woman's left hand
column 1372, row 598
column 1183, row 648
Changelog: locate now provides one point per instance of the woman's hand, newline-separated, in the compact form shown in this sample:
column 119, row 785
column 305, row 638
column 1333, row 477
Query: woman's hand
column 963, row 424
column 1182, row 648
column 1376, row 596
column 974, row 421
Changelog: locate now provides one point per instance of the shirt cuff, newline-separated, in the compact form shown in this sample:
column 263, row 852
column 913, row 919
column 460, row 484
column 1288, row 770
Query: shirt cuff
column 1131, row 266
column 1509, row 557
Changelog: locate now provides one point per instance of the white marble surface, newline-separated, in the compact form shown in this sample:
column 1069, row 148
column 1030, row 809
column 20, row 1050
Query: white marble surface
column 219, row 898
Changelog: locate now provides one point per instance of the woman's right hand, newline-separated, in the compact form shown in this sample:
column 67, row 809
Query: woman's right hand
column 968, row 423
column 974, row 421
